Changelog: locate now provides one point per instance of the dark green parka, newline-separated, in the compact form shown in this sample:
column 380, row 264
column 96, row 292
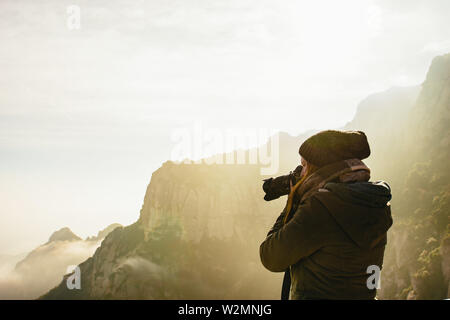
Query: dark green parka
column 331, row 240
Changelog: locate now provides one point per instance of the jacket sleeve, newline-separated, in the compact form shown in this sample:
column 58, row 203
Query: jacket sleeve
column 278, row 224
column 287, row 244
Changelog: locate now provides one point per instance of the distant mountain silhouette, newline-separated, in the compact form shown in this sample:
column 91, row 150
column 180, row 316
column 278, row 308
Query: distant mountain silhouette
column 63, row 234
column 103, row 233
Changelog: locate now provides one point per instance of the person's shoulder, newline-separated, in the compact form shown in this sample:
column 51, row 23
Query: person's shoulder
column 321, row 196
column 313, row 208
column 322, row 202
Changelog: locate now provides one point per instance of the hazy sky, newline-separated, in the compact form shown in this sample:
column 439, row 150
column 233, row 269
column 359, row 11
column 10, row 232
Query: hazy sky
column 87, row 115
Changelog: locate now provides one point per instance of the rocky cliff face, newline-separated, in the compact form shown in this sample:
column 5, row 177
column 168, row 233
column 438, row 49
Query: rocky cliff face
column 200, row 225
column 417, row 255
column 216, row 201
column 196, row 237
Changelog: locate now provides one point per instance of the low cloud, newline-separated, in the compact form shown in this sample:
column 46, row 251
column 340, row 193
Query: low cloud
column 43, row 268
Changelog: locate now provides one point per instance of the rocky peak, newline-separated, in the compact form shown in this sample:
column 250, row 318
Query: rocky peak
column 63, row 234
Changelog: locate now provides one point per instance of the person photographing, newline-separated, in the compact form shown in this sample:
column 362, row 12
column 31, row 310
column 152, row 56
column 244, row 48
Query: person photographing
column 335, row 222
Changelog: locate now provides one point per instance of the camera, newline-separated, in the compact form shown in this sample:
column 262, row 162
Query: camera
column 281, row 186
